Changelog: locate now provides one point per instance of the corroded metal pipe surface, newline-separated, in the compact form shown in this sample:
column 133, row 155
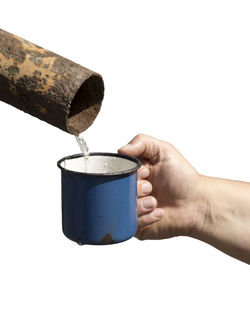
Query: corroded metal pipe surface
column 48, row 86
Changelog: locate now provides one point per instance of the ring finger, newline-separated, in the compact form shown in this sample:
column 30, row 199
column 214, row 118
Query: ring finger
column 145, row 205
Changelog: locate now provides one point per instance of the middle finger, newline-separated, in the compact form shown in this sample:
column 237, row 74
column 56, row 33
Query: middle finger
column 144, row 188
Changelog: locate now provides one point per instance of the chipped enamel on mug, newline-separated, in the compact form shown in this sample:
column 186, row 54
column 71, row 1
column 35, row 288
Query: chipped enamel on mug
column 99, row 198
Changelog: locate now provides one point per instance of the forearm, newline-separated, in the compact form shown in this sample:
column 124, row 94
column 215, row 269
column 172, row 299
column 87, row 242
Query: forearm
column 226, row 209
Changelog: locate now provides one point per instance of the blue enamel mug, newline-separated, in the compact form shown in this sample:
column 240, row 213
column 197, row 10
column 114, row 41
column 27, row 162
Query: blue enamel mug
column 99, row 197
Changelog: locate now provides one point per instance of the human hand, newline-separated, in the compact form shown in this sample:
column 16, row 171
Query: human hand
column 168, row 190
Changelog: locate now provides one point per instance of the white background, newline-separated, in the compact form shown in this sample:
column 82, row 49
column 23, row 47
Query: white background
column 177, row 70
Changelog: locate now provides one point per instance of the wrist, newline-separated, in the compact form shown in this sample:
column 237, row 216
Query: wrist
column 223, row 215
column 204, row 208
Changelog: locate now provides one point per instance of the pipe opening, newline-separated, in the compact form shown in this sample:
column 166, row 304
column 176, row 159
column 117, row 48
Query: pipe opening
column 85, row 105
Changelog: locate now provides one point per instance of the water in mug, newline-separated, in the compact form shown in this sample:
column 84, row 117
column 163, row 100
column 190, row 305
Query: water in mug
column 106, row 168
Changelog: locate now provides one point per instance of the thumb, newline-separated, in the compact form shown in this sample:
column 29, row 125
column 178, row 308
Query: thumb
column 141, row 146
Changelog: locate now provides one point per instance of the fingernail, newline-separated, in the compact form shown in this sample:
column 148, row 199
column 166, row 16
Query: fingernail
column 158, row 213
column 148, row 203
column 144, row 173
column 146, row 188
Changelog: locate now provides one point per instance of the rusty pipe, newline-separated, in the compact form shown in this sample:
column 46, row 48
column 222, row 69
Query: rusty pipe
column 48, row 86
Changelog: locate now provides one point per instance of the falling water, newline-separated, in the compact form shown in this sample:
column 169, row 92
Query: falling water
column 84, row 149
column 83, row 146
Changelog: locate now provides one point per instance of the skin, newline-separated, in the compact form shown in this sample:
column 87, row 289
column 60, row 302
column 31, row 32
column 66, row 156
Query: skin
column 174, row 199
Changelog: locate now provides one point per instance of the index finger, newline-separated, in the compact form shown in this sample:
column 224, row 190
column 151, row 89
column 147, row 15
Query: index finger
column 141, row 146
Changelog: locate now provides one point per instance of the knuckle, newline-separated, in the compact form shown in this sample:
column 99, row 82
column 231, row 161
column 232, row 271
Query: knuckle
column 140, row 136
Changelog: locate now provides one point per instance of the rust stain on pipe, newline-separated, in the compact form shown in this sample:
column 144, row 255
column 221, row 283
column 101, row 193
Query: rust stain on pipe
column 48, row 86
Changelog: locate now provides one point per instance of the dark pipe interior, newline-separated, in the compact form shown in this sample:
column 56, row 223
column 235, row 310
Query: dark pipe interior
column 86, row 104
